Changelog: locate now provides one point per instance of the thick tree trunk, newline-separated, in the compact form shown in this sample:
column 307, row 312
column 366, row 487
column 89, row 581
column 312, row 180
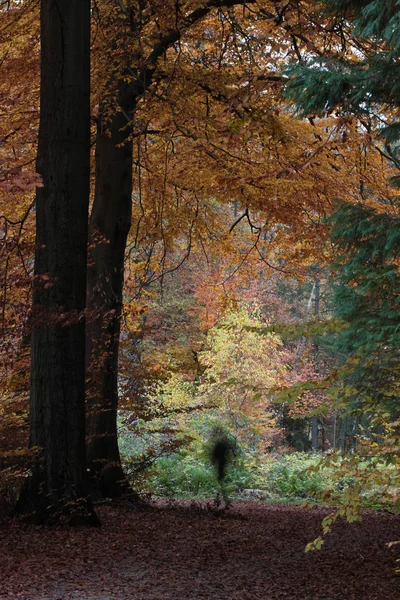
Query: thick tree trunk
column 56, row 490
column 109, row 226
column 110, row 223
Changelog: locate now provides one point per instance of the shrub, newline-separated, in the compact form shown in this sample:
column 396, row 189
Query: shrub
column 288, row 476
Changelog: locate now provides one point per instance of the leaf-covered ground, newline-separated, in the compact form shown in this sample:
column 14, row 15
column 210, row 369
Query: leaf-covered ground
column 184, row 551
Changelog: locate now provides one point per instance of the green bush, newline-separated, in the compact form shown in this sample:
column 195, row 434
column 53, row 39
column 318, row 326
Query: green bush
column 288, row 476
column 182, row 475
column 168, row 466
column 188, row 476
column 183, row 469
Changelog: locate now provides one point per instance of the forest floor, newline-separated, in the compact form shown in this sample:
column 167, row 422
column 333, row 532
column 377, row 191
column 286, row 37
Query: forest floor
column 183, row 550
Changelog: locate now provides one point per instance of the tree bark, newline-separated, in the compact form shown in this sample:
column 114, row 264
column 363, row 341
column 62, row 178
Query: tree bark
column 110, row 223
column 314, row 434
column 56, row 490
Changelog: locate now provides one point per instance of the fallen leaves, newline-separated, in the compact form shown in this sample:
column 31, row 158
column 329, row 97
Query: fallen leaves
column 183, row 550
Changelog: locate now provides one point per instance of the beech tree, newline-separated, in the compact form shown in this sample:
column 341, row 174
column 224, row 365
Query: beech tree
column 56, row 489
column 139, row 37
column 110, row 219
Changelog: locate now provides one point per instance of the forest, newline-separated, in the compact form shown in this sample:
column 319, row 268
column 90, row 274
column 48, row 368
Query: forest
column 200, row 299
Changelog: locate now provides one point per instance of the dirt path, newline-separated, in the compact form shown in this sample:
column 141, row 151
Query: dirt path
column 252, row 552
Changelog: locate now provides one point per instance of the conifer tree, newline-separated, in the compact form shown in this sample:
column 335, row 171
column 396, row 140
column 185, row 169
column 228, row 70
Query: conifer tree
column 366, row 299
column 360, row 78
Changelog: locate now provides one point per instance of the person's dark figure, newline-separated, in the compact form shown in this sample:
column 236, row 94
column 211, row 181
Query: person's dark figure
column 221, row 453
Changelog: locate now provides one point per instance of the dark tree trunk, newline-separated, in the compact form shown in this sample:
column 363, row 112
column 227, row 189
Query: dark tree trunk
column 56, row 490
column 110, row 223
column 109, row 226
column 314, row 433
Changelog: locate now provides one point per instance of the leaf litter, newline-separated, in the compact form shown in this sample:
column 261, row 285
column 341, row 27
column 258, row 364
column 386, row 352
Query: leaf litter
column 188, row 550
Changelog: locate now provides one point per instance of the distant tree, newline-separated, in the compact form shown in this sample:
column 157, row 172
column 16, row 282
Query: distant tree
column 366, row 299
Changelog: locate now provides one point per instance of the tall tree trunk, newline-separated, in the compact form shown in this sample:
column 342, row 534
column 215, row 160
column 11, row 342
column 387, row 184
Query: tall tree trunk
column 56, row 489
column 109, row 226
column 110, row 223
column 314, row 433
column 315, row 420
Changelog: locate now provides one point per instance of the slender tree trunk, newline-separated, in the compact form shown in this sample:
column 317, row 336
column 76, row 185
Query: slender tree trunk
column 110, row 223
column 56, row 490
column 315, row 420
column 314, row 434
